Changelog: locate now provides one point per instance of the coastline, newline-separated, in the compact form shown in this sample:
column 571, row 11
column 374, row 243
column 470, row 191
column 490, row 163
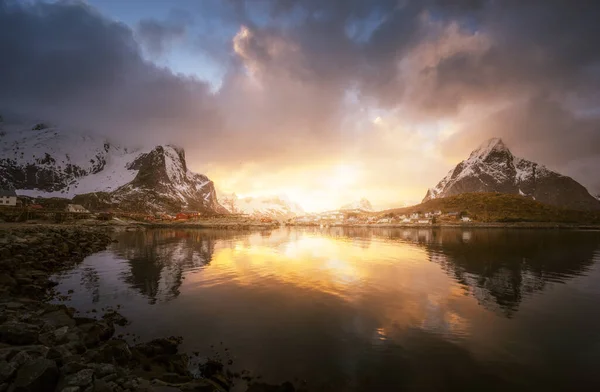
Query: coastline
column 473, row 225
column 46, row 346
column 248, row 225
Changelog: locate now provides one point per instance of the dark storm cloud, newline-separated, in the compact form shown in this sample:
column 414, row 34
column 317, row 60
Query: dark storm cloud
column 64, row 62
column 156, row 36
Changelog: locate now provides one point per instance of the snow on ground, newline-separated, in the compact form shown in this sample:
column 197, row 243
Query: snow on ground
column 24, row 146
column 114, row 175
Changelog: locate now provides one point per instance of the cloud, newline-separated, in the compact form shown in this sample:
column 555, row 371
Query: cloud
column 156, row 36
column 65, row 62
column 304, row 80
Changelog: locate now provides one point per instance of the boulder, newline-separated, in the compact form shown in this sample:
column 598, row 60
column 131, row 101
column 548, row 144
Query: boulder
column 260, row 387
column 96, row 332
column 58, row 318
column 20, row 358
column 71, row 389
column 23, row 353
column 162, row 346
column 103, row 386
column 174, row 378
column 72, row 367
column 114, row 352
column 102, row 369
column 18, row 333
column 7, row 370
column 80, row 379
column 115, row 318
column 38, row 375
column 7, row 280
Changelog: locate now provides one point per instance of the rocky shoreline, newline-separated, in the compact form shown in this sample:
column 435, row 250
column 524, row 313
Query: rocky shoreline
column 47, row 347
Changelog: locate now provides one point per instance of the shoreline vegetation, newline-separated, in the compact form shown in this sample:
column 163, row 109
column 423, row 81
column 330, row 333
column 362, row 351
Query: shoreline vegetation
column 474, row 210
column 47, row 346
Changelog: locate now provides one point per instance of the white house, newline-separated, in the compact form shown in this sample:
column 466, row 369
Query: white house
column 384, row 220
column 466, row 219
column 76, row 208
column 437, row 213
column 8, row 197
column 424, row 221
column 414, row 216
column 406, row 220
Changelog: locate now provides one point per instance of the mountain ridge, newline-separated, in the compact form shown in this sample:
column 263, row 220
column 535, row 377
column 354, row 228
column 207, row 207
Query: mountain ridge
column 47, row 161
column 493, row 168
column 363, row 204
column 279, row 206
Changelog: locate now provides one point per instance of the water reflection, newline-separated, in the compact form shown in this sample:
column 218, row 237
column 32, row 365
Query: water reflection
column 159, row 258
column 365, row 309
column 498, row 267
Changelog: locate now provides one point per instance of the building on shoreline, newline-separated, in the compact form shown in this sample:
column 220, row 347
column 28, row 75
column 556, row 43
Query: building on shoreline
column 76, row 208
column 8, row 197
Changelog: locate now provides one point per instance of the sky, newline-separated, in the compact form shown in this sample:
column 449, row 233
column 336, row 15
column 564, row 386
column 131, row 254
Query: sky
column 324, row 101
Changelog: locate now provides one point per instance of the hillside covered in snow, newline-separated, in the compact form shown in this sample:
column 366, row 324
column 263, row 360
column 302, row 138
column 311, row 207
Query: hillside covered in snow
column 41, row 160
column 275, row 207
column 362, row 205
column 493, row 168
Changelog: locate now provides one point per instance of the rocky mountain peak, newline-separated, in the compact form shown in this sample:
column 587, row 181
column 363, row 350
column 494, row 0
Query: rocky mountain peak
column 493, row 148
column 492, row 168
column 56, row 162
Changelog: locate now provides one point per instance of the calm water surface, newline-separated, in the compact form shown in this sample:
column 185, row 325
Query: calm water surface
column 365, row 309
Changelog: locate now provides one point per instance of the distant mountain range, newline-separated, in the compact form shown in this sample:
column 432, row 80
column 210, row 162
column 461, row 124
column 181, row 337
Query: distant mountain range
column 47, row 161
column 493, row 168
column 39, row 160
column 265, row 206
column 362, row 204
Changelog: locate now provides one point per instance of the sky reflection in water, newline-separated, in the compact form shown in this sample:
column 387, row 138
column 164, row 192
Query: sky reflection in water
column 356, row 309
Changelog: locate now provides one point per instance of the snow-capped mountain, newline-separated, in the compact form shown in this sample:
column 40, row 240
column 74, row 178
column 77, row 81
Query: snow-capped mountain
column 493, row 168
column 47, row 161
column 362, row 204
column 264, row 206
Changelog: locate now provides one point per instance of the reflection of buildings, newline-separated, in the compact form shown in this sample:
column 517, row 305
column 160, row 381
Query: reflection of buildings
column 159, row 258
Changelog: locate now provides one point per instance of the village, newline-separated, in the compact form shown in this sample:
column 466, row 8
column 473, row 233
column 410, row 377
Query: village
column 59, row 210
column 360, row 217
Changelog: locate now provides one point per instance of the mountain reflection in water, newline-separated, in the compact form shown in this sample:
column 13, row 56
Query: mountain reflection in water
column 358, row 308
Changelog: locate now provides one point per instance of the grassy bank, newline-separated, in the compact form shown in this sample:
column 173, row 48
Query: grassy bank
column 501, row 208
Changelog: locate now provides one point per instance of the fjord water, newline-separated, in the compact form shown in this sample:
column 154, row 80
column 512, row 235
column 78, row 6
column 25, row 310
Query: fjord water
column 350, row 309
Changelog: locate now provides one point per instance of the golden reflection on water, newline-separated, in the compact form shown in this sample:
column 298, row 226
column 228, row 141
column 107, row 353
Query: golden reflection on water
column 416, row 309
column 396, row 280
